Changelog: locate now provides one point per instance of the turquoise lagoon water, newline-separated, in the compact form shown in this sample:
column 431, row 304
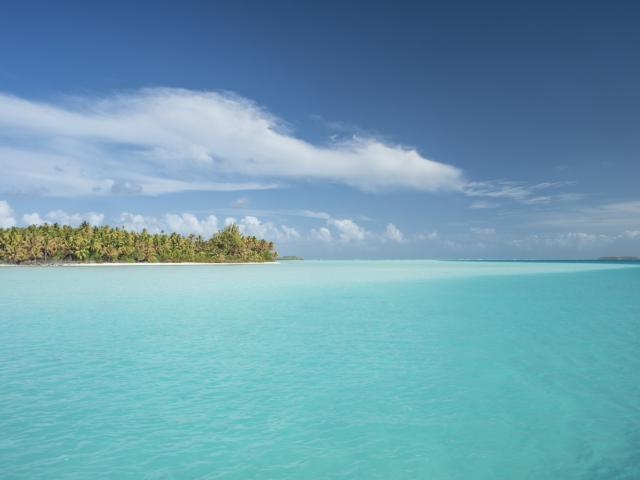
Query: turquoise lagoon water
column 304, row 370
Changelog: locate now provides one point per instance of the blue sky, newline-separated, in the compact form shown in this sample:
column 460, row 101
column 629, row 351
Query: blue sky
column 339, row 130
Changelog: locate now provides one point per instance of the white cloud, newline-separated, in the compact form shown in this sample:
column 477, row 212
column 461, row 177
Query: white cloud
column 242, row 202
column 7, row 219
column 348, row 230
column 323, row 234
column 183, row 223
column 616, row 215
column 560, row 197
column 290, row 233
column 312, row 214
column 483, row 205
column 32, row 219
column 570, row 240
column 499, row 189
column 74, row 219
column 632, row 234
column 345, row 230
column 162, row 140
column 250, row 225
column 427, row 236
column 483, row 231
column 393, row 234
column 63, row 218
column 518, row 191
column 136, row 222
column 187, row 223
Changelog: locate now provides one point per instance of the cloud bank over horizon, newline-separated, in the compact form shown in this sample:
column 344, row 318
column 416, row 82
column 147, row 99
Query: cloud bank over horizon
column 162, row 140
column 347, row 234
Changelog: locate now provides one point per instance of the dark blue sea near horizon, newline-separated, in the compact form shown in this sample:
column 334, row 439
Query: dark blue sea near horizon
column 321, row 370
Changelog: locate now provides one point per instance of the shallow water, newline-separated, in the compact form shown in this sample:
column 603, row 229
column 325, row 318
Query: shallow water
column 350, row 370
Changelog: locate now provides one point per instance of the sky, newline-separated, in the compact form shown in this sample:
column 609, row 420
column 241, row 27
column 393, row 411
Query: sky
column 336, row 129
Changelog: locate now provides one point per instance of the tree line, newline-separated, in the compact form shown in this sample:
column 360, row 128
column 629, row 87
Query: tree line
column 63, row 243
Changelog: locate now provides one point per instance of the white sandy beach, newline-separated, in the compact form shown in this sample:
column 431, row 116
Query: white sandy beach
column 139, row 264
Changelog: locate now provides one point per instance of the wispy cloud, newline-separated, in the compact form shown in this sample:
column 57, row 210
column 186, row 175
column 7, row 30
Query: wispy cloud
column 611, row 215
column 483, row 231
column 498, row 189
column 427, row 236
column 557, row 198
column 569, row 240
column 242, row 202
column 312, row 214
column 528, row 194
column 162, row 140
column 482, row 204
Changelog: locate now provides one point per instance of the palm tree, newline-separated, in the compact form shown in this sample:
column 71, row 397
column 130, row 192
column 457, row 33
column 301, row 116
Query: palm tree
column 105, row 243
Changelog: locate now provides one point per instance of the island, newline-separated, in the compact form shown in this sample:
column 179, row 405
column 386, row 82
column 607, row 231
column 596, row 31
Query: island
column 290, row 257
column 53, row 244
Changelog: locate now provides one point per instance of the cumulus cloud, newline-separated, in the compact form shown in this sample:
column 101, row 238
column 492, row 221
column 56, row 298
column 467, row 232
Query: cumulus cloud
column 393, row 234
column 343, row 230
column 290, row 233
column 322, row 234
column 32, row 219
column 74, row 219
column 250, row 225
column 348, row 230
column 137, row 222
column 63, row 218
column 183, row 223
column 187, row 224
column 7, row 219
column 163, row 140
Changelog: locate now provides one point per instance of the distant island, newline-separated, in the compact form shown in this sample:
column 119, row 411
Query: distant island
column 628, row 258
column 290, row 257
column 56, row 244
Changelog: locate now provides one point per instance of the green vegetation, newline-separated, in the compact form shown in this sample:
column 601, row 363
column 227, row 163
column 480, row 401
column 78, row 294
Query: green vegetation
column 61, row 244
column 290, row 257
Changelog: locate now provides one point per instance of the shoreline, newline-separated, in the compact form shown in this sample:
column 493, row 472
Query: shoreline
column 136, row 264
